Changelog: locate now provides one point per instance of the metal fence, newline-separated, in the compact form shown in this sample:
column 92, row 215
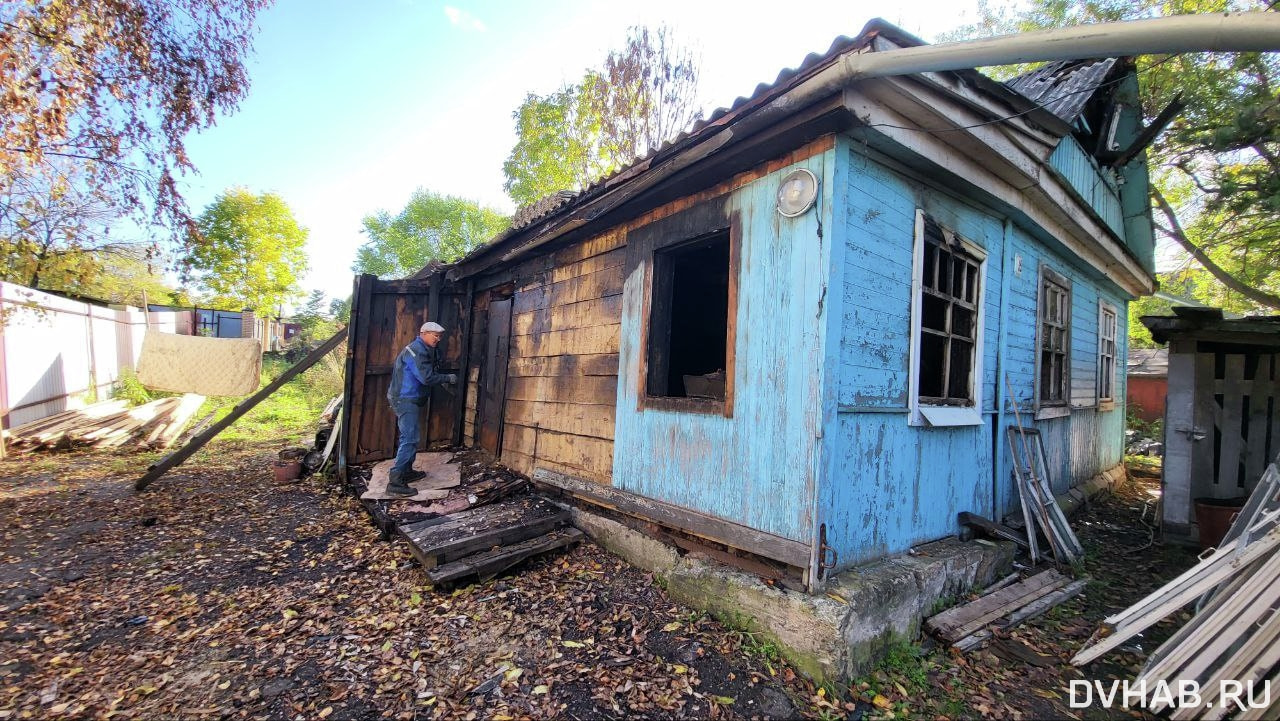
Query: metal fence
column 57, row 353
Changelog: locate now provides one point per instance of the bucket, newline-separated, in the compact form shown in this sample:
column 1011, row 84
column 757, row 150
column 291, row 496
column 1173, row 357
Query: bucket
column 286, row 471
column 1214, row 516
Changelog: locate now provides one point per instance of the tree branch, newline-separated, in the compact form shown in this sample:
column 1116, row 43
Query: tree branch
column 1180, row 237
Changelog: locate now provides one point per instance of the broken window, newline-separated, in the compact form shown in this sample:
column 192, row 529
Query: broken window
column 689, row 319
column 950, row 300
column 1055, row 341
column 1106, row 352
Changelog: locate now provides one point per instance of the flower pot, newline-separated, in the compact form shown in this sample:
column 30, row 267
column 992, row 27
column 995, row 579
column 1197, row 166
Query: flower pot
column 286, row 471
column 1214, row 516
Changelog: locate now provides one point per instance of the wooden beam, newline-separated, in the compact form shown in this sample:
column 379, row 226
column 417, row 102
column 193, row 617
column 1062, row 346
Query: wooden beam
column 241, row 408
column 729, row 533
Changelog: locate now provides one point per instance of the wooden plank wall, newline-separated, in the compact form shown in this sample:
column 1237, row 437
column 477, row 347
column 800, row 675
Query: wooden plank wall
column 563, row 372
column 479, row 330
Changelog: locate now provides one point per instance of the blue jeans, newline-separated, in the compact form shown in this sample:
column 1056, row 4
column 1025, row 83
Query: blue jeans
column 407, row 448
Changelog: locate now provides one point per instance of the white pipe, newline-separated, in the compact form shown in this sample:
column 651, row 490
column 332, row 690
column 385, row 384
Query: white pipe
column 1224, row 32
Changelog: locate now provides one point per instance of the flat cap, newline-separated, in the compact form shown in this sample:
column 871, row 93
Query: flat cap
column 431, row 327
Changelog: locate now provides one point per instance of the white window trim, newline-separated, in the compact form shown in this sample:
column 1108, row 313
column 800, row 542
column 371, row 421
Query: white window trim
column 1106, row 403
column 1063, row 409
column 944, row 416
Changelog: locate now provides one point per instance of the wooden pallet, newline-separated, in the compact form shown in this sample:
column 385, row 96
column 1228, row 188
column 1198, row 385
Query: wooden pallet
column 480, row 540
column 494, row 561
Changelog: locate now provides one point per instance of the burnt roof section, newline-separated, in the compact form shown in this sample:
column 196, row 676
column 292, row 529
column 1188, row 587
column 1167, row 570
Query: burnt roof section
column 1064, row 87
column 566, row 201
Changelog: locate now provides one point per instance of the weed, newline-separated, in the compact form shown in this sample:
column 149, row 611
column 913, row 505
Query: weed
column 942, row 604
column 906, row 660
column 129, row 389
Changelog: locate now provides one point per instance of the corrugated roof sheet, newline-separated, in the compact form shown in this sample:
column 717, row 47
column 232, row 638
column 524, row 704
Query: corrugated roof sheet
column 1065, row 86
column 1148, row 362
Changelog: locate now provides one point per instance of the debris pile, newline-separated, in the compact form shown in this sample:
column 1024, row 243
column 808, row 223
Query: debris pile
column 1006, row 603
column 109, row 424
column 1233, row 640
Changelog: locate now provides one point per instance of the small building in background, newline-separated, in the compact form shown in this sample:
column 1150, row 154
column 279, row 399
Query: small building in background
column 1148, row 375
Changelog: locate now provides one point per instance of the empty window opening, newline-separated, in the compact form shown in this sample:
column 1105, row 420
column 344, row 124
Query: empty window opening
column 689, row 322
column 949, row 306
column 1055, row 320
column 1107, row 324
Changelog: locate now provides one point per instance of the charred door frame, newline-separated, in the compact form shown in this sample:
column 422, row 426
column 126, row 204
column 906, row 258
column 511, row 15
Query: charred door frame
column 488, row 367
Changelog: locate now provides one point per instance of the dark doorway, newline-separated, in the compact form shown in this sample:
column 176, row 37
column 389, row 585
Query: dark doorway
column 493, row 377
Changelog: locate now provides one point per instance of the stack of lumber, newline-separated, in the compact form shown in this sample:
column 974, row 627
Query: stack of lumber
column 1233, row 641
column 109, row 424
column 1005, row 605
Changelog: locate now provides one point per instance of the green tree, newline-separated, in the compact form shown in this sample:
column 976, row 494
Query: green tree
column 252, row 252
column 430, row 227
column 1217, row 187
column 116, row 88
column 314, row 323
column 642, row 96
column 340, row 309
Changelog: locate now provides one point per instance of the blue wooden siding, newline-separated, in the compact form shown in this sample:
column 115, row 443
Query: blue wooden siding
column 758, row 467
column 888, row 485
column 1094, row 185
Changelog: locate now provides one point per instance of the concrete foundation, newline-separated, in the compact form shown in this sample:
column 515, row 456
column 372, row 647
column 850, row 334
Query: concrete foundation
column 841, row 632
column 837, row 634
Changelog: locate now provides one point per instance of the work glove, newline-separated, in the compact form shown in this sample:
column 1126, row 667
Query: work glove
column 452, row 379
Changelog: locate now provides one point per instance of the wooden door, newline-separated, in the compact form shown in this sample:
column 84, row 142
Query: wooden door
column 385, row 317
column 493, row 377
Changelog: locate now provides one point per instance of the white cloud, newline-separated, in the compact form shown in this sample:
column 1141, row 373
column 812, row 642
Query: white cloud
column 463, row 19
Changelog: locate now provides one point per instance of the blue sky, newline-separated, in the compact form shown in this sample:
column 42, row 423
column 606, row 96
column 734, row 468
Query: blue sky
column 355, row 105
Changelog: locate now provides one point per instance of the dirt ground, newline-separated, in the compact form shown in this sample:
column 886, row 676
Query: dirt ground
column 218, row 594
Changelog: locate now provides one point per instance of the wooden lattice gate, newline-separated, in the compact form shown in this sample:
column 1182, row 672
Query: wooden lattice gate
column 1222, row 416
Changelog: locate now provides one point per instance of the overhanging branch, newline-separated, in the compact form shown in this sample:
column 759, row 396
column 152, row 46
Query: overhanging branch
column 1180, row 237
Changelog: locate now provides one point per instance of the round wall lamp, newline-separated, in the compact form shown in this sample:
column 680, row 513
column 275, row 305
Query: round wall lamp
column 797, row 193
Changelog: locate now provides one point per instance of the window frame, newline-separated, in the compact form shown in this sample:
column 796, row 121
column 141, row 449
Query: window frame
column 922, row 412
column 643, row 246
column 1107, row 401
column 1061, row 407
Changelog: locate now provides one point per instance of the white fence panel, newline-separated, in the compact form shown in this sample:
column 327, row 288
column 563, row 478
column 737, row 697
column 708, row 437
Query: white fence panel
column 57, row 353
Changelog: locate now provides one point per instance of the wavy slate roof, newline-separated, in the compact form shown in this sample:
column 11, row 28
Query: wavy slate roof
column 1065, row 86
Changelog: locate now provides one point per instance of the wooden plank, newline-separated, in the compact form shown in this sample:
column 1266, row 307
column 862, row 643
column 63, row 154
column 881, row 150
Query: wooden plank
column 598, row 245
column 729, row 533
column 585, row 390
column 1260, row 392
column 991, row 528
column 583, row 314
column 588, row 341
column 585, row 287
column 493, row 385
column 993, row 605
column 481, row 528
column 1029, row 611
column 1232, row 423
column 595, row 364
column 1202, row 467
column 500, row 559
column 595, row 421
column 590, row 454
column 241, row 408
column 357, row 364
column 595, row 264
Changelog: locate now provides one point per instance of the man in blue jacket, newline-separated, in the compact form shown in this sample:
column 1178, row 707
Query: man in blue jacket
column 412, row 377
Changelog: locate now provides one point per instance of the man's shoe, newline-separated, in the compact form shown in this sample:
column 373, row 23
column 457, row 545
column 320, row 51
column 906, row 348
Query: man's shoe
column 399, row 488
column 413, row 476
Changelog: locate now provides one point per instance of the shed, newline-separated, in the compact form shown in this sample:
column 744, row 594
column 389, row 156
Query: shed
column 1148, row 379
column 801, row 387
column 1222, row 425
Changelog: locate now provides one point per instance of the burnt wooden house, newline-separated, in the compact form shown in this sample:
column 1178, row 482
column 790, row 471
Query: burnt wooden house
column 787, row 337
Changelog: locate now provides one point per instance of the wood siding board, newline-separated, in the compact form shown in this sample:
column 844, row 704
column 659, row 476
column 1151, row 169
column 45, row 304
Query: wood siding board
column 589, row 313
column 1230, row 426
column 736, row 468
column 596, row 364
column 586, row 341
column 593, row 421
column 1260, row 395
column 584, row 390
column 1203, row 470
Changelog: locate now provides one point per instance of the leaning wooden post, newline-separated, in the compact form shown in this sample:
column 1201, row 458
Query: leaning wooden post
column 243, row 407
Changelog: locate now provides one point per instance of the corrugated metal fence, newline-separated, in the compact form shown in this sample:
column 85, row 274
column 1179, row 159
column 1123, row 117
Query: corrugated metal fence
column 57, row 353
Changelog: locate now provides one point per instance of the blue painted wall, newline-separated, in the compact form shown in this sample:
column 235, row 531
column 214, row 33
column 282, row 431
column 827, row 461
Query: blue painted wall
column 758, row 467
column 887, row 485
